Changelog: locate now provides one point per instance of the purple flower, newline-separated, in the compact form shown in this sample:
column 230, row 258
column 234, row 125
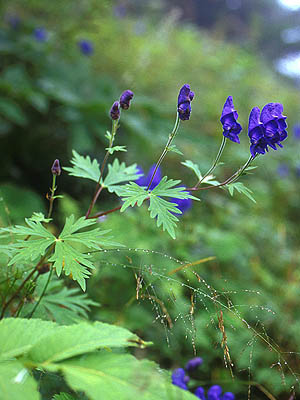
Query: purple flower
column 266, row 129
column 125, row 99
column 231, row 128
column 214, row 392
column 86, row 47
column 40, row 34
column 145, row 180
column 228, row 396
column 14, row 21
column 200, row 393
column 182, row 204
column 179, row 378
column 297, row 131
column 55, row 169
column 184, row 102
column 115, row 111
column 194, row 362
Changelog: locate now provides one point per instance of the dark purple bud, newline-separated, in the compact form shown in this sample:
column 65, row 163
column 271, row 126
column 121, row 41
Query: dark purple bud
column 40, row 34
column 184, row 102
column 125, row 99
column 115, row 111
column 194, row 362
column 200, row 393
column 55, row 169
column 86, row 47
column 231, row 128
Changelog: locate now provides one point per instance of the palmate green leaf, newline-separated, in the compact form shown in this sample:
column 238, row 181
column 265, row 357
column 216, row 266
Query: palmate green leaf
column 166, row 188
column 174, row 149
column 241, row 188
column 163, row 210
column 69, row 341
column 16, row 383
column 18, row 335
column 119, row 376
column 83, row 167
column 63, row 305
column 119, row 173
column 132, row 195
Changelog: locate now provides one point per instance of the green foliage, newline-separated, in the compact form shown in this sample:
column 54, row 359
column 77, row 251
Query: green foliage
column 119, row 173
column 63, row 396
column 83, row 167
column 241, row 188
column 71, row 350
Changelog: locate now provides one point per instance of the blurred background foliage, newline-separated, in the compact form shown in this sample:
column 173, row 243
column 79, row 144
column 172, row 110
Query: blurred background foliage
column 54, row 97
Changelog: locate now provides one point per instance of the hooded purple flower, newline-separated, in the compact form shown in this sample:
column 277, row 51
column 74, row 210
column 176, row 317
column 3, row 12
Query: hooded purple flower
column 144, row 180
column 231, row 128
column 180, row 379
column 200, row 393
column 184, row 102
column 125, row 99
column 86, row 47
column 194, row 362
column 40, row 34
column 266, row 129
column 115, row 111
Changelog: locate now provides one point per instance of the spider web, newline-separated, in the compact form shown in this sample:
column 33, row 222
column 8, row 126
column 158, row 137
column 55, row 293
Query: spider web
column 183, row 302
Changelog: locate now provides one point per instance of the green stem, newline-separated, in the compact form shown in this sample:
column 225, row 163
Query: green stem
column 166, row 149
column 99, row 187
column 51, row 199
column 215, row 163
column 42, row 294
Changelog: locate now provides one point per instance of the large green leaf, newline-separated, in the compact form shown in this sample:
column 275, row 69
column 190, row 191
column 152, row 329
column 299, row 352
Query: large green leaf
column 16, row 383
column 110, row 376
column 70, row 341
column 17, row 335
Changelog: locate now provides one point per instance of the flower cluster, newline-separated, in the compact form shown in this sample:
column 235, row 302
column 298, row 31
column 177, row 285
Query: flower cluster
column 184, row 102
column 124, row 103
column 267, row 128
column 231, row 128
column 182, row 204
column 181, row 379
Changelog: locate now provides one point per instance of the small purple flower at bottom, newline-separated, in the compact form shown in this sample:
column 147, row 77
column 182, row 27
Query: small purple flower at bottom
column 231, row 128
column 179, row 378
column 200, row 393
column 145, row 180
column 40, row 34
column 86, row 47
column 194, row 362
column 214, row 392
column 228, row 396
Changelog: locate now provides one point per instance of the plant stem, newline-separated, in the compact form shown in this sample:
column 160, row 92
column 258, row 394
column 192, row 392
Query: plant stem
column 215, row 163
column 42, row 294
column 99, row 187
column 52, row 198
column 231, row 179
column 166, row 149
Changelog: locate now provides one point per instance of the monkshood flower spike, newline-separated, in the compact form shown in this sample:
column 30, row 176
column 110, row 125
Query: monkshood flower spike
column 267, row 128
column 231, row 128
column 184, row 102
column 180, row 379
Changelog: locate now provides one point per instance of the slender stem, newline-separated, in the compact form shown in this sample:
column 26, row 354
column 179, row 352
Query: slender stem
column 7, row 303
column 231, row 179
column 42, row 294
column 99, row 187
column 51, row 199
column 105, row 212
column 215, row 163
column 166, row 149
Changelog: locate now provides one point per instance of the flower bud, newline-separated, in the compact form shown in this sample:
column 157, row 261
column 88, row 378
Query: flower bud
column 55, row 169
column 115, row 111
column 125, row 99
